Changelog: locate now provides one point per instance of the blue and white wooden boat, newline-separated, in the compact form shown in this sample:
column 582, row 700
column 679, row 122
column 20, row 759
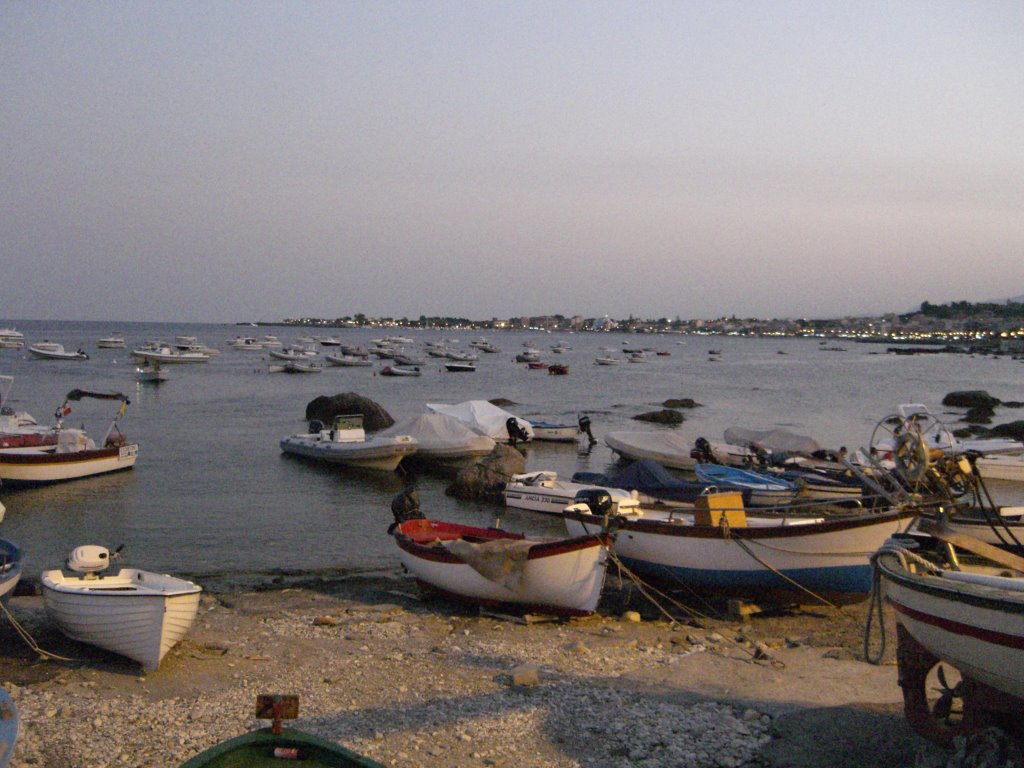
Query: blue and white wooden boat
column 9, row 722
column 772, row 556
column 765, row 490
column 10, row 568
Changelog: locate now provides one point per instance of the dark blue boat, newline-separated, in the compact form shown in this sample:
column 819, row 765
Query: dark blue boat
column 651, row 479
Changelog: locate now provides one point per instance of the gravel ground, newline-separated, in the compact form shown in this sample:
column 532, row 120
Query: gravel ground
column 429, row 683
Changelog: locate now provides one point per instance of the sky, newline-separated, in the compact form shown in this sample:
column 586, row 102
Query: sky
column 242, row 161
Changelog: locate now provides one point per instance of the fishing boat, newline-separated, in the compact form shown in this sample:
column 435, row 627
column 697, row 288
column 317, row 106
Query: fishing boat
column 765, row 490
column 442, row 439
column 1001, row 467
column 720, row 548
column 10, row 722
column 670, row 449
column 74, row 455
column 489, row 566
column 400, row 370
column 133, row 613
column 276, row 745
column 11, row 558
column 970, row 617
column 546, row 431
column 51, row 350
column 346, row 443
column 543, row 491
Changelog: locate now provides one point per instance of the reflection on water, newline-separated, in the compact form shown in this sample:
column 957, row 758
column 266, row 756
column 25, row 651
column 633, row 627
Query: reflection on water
column 212, row 492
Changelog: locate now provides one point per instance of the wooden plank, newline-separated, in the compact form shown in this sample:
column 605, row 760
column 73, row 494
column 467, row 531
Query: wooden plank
column 971, row 544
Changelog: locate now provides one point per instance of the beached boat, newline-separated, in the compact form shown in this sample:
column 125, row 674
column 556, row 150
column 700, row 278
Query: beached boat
column 485, row 418
column 1001, row 467
column 74, row 455
column 765, row 490
column 11, row 558
column 10, row 723
column 441, row 439
column 542, row 491
column 490, row 566
column 721, row 549
column 400, row 370
column 51, row 350
column 969, row 617
column 134, row 613
column 276, row 745
column 670, row 449
column 548, row 432
column 346, row 443
column 651, row 483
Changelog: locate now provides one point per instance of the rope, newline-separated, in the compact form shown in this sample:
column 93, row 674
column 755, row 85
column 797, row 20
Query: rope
column 29, row 640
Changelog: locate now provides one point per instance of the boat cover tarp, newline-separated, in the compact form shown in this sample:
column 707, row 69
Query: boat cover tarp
column 772, row 440
column 650, row 478
column 501, row 561
column 669, row 444
column 483, row 417
column 442, row 434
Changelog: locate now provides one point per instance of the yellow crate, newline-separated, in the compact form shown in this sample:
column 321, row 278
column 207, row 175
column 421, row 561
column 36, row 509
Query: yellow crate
column 709, row 509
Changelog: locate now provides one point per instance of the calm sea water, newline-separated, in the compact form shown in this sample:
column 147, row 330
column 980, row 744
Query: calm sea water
column 213, row 497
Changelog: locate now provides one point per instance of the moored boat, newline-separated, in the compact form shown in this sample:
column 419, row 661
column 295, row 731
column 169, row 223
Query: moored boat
column 765, row 490
column 51, row 350
column 276, row 745
column 168, row 355
column 543, row 491
column 490, row 566
column 346, row 443
column 349, row 361
column 456, row 366
column 670, row 449
column 133, row 613
column 151, row 372
column 442, row 439
column 546, row 431
column 400, row 370
column 113, row 341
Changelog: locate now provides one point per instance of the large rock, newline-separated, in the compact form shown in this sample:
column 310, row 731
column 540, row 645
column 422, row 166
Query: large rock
column 326, row 408
column 684, row 402
column 1013, row 430
column 972, row 398
column 485, row 480
column 664, row 416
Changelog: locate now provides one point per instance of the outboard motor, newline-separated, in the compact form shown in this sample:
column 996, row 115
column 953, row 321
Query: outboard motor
column 90, row 559
column 702, row 452
column 584, row 425
column 599, row 501
column 516, row 433
column 406, row 505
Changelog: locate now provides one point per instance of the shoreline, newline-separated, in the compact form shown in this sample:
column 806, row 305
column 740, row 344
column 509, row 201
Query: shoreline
column 414, row 682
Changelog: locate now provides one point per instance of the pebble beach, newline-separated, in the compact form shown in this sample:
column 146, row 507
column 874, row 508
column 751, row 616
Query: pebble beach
column 410, row 681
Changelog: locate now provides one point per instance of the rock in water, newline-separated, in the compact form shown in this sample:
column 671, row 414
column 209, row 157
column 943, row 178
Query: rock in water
column 326, row 408
column 485, row 480
column 974, row 398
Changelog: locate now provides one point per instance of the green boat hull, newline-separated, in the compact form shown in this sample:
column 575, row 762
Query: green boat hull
column 256, row 749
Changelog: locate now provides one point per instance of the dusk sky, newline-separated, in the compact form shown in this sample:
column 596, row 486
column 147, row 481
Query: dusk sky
column 233, row 161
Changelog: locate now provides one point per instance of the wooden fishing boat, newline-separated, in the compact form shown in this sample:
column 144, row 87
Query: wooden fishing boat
column 9, row 724
column 134, row 613
column 276, row 745
column 488, row 566
column 720, row 548
column 971, row 618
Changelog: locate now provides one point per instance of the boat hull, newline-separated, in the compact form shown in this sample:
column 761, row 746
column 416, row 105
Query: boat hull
column 30, row 466
column 771, row 557
column 1009, row 468
column 257, row 749
column 134, row 613
column 564, row 577
column 11, row 560
column 375, row 453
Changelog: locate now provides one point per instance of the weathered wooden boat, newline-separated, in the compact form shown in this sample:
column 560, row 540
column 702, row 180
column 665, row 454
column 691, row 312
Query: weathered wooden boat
column 489, row 566
column 11, row 559
column 134, row 613
column 346, row 443
column 722, row 549
column 276, row 745
column 969, row 616
column 74, row 455
column 10, row 722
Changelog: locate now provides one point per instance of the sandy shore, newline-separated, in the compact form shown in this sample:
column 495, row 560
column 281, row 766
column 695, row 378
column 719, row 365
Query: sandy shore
column 429, row 683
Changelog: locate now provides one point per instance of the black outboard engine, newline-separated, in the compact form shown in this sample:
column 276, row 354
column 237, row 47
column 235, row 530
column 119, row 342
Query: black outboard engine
column 516, row 433
column 702, row 452
column 584, row 425
column 599, row 501
column 406, row 505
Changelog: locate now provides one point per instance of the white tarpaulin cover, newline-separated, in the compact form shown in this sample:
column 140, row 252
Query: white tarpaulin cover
column 482, row 417
column 441, row 435
column 772, row 440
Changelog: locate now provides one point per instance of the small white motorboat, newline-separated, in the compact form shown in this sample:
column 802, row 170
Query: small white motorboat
column 293, row 352
column 349, row 361
column 346, row 443
column 489, row 566
column 150, row 372
column 296, row 366
column 51, row 350
column 456, row 366
column 134, row 613
column 113, row 341
column 542, row 491
column 400, row 370
column 168, row 355
column 245, row 343
column 548, row 432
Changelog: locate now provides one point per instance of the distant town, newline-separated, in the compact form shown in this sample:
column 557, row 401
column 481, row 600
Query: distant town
column 992, row 326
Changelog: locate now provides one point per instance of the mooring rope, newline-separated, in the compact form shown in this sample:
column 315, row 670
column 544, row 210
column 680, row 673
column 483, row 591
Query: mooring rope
column 29, row 640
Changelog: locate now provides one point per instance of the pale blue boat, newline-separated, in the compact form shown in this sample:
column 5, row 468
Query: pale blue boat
column 765, row 490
